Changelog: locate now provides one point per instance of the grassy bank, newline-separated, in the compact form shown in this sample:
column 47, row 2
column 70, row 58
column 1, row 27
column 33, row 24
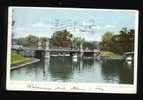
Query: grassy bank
column 111, row 55
column 16, row 58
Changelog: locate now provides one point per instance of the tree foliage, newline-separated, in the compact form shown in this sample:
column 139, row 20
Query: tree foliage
column 119, row 43
column 43, row 41
column 62, row 39
column 76, row 42
column 29, row 41
column 89, row 45
column 106, row 40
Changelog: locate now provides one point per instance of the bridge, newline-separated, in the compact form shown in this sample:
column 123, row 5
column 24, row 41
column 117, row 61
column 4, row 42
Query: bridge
column 39, row 52
column 46, row 52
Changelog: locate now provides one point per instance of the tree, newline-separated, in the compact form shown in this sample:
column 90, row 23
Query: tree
column 127, row 39
column 43, row 41
column 32, row 40
column 76, row 42
column 29, row 41
column 89, row 45
column 106, row 40
column 62, row 38
column 119, row 43
column 131, row 35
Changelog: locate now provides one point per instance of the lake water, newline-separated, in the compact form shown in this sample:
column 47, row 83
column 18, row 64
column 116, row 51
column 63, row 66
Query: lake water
column 65, row 69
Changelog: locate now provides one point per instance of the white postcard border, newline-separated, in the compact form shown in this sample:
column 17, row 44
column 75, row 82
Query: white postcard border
column 70, row 87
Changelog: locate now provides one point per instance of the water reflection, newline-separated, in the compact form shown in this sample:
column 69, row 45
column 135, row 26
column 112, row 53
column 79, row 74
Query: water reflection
column 64, row 69
column 88, row 63
column 127, row 74
column 60, row 68
column 117, row 71
column 46, row 65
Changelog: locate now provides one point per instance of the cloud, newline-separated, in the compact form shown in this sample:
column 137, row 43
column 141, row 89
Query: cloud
column 19, row 28
column 109, row 26
column 85, row 23
column 22, row 29
column 39, row 25
column 98, row 27
column 42, row 25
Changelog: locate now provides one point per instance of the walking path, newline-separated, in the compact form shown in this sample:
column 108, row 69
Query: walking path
column 34, row 60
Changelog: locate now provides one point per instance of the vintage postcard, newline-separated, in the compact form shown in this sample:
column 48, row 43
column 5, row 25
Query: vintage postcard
column 72, row 50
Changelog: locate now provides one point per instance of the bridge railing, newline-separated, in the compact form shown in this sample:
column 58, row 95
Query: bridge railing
column 57, row 49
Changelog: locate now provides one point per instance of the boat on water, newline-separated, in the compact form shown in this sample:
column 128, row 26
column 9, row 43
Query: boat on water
column 129, row 58
column 129, row 62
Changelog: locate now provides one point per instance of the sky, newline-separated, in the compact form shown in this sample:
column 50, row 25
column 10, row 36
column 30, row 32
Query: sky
column 88, row 24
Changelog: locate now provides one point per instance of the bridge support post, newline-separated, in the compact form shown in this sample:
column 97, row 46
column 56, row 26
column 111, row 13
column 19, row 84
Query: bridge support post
column 94, row 54
column 81, row 51
column 46, row 66
column 32, row 54
column 81, row 54
column 39, row 44
column 47, row 53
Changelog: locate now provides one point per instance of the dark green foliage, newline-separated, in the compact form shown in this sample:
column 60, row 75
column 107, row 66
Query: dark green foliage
column 61, row 39
column 119, row 43
column 29, row 41
column 43, row 41
column 89, row 45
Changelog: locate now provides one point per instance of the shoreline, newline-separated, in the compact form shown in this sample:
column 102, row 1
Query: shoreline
column 110, row 58
column 108, row 55
column 33, row 60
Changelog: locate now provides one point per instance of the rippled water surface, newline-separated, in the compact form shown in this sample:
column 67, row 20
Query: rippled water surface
column 65, row 69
